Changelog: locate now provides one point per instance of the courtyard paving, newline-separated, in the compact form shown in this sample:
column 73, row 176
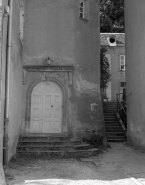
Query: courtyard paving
column 119, row 164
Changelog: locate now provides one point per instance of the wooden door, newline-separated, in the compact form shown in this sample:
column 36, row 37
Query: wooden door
column 46, row 108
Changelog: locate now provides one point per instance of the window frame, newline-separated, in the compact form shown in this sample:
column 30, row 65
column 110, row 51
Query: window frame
column 84, row 9
column 122, row 65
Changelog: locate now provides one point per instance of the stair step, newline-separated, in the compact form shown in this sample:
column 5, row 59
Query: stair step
column 114, row 127
column 61, row 154
column 116, row 140
column 43, row 146
column 112, row 124
column 113, row 120
column 115, row 133
column 38, row 148
column 48, row 141
column 114, row 130
column 109, row 113
column 116, row 137
column 48, row 138
column 110, row 118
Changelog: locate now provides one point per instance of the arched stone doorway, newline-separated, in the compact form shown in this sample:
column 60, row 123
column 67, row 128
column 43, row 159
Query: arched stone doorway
column 46, row 107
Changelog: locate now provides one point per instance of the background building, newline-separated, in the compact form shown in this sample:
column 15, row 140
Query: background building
column 115, row 45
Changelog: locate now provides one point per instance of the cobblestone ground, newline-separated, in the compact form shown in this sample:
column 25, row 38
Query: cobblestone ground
column 117, row 165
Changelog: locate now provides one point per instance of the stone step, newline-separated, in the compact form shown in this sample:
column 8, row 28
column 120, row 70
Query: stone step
column 115, row 137
column 110, row 116
column 110, row 112
column 116, row 140
column 111, row 119
column 114, row 130
column 110, row 107
column 48, row 143
column 48, row 138
column 109, row 134
column 113, row 127
column 112, row 123
column 110, row 104
column 72, row 153
column 46, row 146
column 38, row 148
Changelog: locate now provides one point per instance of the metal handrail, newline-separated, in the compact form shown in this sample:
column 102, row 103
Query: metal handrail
column 121, row 109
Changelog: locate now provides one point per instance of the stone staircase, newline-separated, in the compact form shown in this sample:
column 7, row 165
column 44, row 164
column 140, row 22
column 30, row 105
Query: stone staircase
column 114, row 130
column 53, row 147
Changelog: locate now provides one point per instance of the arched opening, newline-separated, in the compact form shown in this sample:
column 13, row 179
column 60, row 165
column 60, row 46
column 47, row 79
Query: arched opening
column 45, row 107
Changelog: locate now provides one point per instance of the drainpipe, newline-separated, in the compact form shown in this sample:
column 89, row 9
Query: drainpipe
column 7, row 84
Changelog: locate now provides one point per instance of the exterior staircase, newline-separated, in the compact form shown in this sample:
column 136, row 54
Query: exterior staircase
column 114, row 130
column 53, row 147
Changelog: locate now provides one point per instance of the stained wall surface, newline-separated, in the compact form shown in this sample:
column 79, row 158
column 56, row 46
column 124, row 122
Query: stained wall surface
column 15, row 87
column 135, row 60
column 54, row 29
column 3, row 36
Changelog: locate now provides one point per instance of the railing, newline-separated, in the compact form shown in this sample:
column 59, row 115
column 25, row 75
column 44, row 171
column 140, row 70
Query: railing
column 121, row 108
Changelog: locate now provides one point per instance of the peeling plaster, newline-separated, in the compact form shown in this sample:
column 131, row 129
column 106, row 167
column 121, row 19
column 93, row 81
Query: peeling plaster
column 93, row 106
column 133, row 128
column 84, row 86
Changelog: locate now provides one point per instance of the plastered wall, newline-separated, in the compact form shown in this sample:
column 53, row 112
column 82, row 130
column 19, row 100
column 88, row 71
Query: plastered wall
column 135, row 60
column 15, row 104
column 54, row 29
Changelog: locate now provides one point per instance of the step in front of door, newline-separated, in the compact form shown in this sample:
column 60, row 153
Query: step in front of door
column 44, row 147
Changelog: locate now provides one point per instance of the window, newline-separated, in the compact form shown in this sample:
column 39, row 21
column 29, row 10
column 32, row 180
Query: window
column 112, row 40
column 122, row 62
column 123, row 84
column 21, row 20
column 84, row 9
column 109, row 60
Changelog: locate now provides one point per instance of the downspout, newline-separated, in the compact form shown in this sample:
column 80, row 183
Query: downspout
column 7, row 84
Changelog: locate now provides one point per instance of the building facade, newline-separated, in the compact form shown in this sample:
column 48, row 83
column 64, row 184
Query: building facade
column 52, row 70
column 115, row 45
column 135, row 55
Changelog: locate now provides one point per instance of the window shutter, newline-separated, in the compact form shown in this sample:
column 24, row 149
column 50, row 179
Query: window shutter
column 122, row 62
column 84, row 9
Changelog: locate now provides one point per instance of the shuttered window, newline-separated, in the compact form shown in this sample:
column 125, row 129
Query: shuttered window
column 122, row 62
column 84, row 9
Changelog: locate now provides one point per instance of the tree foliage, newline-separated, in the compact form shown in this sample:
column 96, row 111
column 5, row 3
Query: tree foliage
column 104, row 65
column 112, row 16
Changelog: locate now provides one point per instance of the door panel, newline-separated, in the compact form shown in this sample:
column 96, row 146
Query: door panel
column 46, row 108
column 56, row 126
column 36, row 109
